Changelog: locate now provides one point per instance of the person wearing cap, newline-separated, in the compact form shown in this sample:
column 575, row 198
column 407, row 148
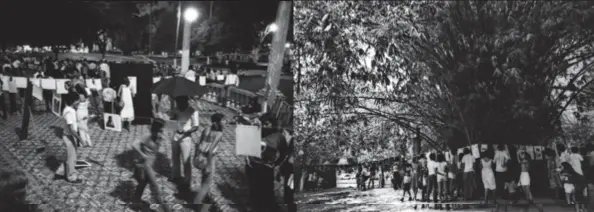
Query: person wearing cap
column 146, row 150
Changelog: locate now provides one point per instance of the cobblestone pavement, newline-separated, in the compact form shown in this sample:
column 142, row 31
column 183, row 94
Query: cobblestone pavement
column 109, row 184
column 387, row 199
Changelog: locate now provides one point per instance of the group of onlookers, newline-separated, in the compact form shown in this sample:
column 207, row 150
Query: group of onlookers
column 569, row 171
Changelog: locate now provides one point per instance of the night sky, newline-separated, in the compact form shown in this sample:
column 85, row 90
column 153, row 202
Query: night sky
column 45, row 22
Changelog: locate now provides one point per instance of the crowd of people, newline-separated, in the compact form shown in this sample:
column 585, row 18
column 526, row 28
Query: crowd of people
column 570, row 173
column 82, row 103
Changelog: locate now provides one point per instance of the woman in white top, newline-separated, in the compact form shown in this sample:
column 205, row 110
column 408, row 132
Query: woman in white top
column 488, row 177
column 127, row 112
column 82, row 116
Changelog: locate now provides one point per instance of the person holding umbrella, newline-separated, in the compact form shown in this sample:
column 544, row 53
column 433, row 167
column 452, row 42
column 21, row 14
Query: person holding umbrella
column 187, row 119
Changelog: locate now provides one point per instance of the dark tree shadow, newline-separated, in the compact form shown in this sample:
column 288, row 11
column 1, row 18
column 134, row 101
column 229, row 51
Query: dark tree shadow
column 58, row 131
column 239, row 195
column 125, row 192
column 126, row 160
column 52, row 163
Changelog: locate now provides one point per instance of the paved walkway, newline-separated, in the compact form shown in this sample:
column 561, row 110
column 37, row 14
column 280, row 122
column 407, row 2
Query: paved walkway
column 387, row 199
column 109, row 185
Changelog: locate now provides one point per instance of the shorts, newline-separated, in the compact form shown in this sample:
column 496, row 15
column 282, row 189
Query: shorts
column 524, row 179
column 451, row 176
column 441, row 178
column 569, row 188
column 406, row 186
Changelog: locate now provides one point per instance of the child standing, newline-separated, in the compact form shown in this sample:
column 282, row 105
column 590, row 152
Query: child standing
column 406, row 181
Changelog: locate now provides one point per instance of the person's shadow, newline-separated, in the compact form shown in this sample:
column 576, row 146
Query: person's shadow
column 51, row 160
column 125, row 190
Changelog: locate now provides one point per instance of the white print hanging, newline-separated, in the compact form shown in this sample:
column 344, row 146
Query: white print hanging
column 248, row 141
column 538, row 153
column 37, row 92
column 61, row 86
column 20, row 82
column 48, row 84
column 156, row 79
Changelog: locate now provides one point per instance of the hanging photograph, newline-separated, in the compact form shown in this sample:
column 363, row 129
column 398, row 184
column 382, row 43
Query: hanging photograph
column 538, row 153
column 112, row 122
column 57, row 105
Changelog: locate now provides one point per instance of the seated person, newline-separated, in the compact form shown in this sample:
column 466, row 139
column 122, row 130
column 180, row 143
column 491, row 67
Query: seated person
column 250, row 113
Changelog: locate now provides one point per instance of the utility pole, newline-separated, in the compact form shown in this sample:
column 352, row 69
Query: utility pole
column 277, row 51
column 210, row 14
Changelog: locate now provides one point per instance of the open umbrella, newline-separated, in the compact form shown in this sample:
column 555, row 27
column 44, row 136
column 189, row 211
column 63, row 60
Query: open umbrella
column 179, row 86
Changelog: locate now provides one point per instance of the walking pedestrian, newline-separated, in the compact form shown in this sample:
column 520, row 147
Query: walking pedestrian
column 204, row 160
column 147, row 149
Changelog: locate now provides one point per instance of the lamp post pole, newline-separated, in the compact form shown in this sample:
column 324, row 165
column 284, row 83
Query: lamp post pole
column 190, row 15
column 185, row 63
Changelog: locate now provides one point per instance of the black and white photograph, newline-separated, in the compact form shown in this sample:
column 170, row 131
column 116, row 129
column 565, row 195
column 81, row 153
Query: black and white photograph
column 57, row 105
column 386, row 90
column 112, row 122
column 140, row 105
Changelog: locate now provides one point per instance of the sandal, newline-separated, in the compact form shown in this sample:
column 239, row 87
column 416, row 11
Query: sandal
column 75, row 181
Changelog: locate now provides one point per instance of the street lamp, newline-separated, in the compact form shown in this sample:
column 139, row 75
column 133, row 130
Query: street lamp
column 272, row 27
column 269, row 29
column 190, row 15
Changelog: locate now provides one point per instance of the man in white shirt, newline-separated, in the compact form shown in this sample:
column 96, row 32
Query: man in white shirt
column 575, row 160
column 501, row 158
column 187, row 119
column 432, row 179
column 468, row 164
column 70, row 136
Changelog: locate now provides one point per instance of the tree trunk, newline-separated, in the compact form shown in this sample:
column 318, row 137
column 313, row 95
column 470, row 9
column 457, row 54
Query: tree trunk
column 278, row 51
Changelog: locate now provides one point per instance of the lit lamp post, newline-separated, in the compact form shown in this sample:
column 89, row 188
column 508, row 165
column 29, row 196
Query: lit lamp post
column 269, row 29
column 190, row 15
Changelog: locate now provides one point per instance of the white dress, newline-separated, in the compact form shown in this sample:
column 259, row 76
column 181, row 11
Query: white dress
column 488, row 175
column 82, row 118
column 127, row 112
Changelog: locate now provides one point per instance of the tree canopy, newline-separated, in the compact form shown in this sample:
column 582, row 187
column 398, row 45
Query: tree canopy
column 464, row 72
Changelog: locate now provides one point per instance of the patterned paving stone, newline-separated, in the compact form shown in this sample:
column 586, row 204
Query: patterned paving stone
column 109, row 185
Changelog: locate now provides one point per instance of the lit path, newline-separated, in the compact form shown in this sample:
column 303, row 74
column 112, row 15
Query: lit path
column 386, row 199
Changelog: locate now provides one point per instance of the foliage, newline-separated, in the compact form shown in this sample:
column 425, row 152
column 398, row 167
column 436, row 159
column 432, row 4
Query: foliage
column 465, row 72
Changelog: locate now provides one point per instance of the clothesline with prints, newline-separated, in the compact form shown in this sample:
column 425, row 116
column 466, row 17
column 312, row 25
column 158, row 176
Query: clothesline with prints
column 11, row 83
